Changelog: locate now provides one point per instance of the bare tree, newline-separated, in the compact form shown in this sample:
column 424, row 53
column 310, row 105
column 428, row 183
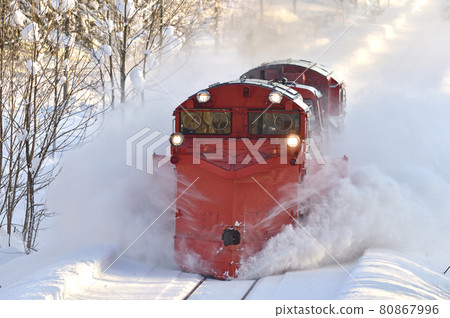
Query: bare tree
column 61, row 62
column 132, row 35
column 47, row 108
column 11, row 134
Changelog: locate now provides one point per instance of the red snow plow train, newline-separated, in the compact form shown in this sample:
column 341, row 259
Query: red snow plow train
column 237, row 148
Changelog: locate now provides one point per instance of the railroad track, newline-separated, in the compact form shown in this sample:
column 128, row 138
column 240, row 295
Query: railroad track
column 250, row 289
column 196, row 287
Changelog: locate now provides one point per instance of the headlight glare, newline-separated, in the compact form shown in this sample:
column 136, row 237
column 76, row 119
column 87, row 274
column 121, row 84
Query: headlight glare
column 275, row 97
column 203, row 96
column 176, row 139
column 293, row 141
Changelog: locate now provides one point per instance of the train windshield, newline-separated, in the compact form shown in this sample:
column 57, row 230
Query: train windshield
column 205, row 122
column 273, row 122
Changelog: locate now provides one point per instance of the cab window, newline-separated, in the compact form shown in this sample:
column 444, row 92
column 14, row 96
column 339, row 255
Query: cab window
column 273, row 122
column 205, row 122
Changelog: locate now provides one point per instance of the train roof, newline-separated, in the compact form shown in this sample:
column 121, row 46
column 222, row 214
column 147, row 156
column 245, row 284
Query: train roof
column 283, row 89
column 319, row 68
column 313, row 90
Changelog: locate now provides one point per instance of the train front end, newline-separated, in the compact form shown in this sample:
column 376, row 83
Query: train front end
column 239, row 149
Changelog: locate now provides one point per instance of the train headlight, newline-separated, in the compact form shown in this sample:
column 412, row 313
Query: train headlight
column 275, row 97
column 176, row 139
column 293, row 141
column 203, row 96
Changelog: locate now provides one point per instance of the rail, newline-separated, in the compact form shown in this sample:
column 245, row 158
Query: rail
column 196, row 287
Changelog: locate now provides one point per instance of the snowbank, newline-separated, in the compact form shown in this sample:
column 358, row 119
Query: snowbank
column 10, row 250
column 68, row 273
column 387, row 275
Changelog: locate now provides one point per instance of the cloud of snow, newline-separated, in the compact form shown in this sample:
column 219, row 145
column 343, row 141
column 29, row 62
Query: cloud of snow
column 282, row 14
column 365, row 210
column 101, row 200
column 172, row 42
column 396, row 193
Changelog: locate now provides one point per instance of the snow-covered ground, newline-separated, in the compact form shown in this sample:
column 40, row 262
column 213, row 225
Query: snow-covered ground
column 387, row 224
column 50, row 275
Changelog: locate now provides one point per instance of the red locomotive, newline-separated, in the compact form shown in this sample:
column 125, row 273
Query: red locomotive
column 238, row 147
column 311, row 74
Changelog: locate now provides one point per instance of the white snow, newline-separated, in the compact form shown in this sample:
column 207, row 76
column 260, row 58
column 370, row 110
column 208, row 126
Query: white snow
column 48, row 277
column 62, row 80
column 379, row 275
column 63, row 5
column 283, row 14
column 169, row 31
column 61, row 39
column 222, row 290
column 386, row 223
column 322, row 283
column 110, row 25
column 105, row 50
column 445, row 85
column 382, row 275
column 129, row 279
column 31, row 32
column 137, row 79
column 172, row 44
column 125, row 8
column 151, row 60
column 32, row 67
column 13, row 250
column 19, row 18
